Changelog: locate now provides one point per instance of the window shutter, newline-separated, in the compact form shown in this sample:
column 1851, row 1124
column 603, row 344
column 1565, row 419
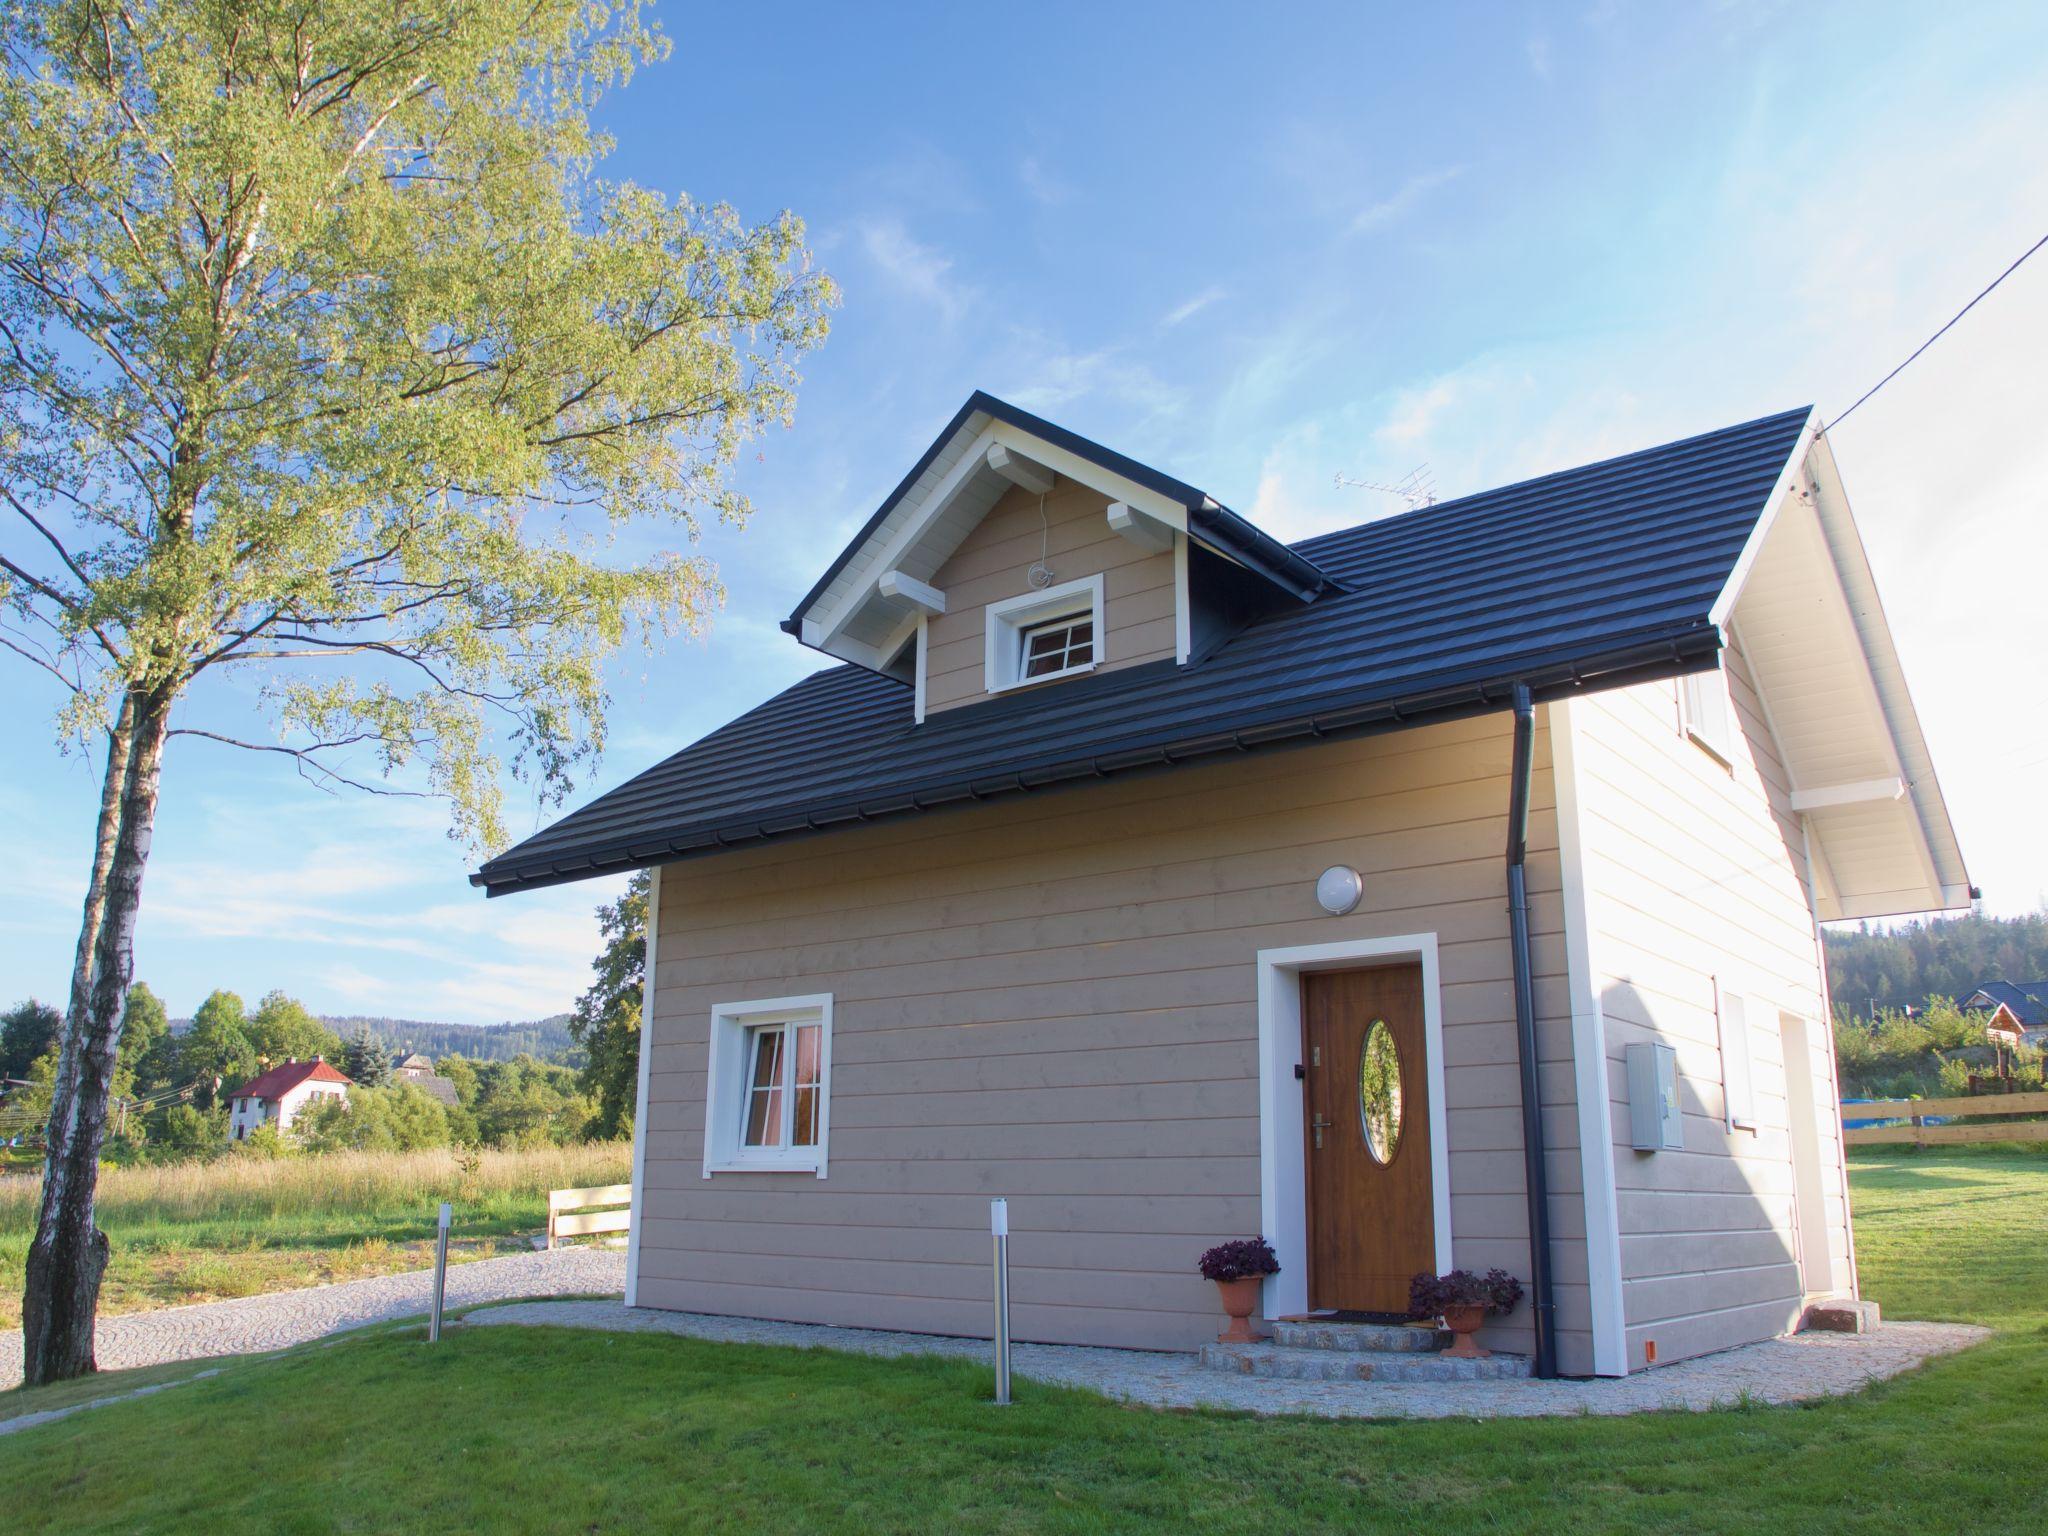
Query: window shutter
column 1736, row 1076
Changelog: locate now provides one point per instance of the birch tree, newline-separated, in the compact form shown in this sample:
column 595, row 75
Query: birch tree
column 333, row 370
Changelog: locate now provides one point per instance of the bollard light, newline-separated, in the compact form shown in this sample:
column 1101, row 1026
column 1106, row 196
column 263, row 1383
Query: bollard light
column 446, row 1219
column 999, row 1227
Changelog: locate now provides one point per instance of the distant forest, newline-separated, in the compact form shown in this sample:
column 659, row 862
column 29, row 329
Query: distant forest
column 1949, row 957
column 543, row 1039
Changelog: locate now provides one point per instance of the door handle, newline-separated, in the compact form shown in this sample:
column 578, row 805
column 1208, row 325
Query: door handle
column 1317, row 1124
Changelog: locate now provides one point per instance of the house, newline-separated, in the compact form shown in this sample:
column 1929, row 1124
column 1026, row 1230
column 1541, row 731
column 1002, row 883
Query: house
column 2018, row 1009
column 277, row 1094
column 1439, row 892
column 419, row 1071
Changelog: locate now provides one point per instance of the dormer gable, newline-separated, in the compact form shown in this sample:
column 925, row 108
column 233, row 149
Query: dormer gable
column 1017, row 554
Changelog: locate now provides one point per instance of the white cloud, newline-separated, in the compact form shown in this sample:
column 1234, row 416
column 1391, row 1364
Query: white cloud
column 1538, row 48
column 1397, row 205
column 1194, row 306
column 1049, row 379
column 919, row 270
column 1043, row 186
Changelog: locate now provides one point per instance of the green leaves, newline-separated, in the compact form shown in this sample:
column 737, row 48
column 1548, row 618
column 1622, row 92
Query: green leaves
column 324, row 349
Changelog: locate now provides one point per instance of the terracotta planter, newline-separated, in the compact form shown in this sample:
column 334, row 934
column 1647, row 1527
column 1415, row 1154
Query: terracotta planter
column 1240, row 1301
column 1464, row 1322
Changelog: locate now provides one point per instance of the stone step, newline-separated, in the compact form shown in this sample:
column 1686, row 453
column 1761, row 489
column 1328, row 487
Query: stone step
column 1283, row 1362
column 1381, row 1338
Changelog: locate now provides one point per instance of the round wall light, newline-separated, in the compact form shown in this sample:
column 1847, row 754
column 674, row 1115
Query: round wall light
column 1339, row 889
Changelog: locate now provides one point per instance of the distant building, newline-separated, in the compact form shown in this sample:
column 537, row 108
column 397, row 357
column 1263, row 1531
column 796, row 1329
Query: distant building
column 276, row 1096
column 2017, row 1008
column 419, row 1071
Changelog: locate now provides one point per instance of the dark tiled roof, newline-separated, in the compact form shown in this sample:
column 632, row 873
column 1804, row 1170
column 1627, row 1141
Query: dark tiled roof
column 2028, row 1000
column 1594, row 577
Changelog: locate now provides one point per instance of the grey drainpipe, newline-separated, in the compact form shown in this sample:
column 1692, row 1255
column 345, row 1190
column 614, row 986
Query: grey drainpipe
column 1536, row 1177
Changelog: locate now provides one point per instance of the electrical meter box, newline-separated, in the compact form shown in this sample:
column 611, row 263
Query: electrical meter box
column 1653, row 1116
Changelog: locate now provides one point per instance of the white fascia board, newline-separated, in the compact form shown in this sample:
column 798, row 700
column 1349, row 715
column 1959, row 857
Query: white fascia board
column 1909, row 743
column 1094, row 476
column 824, row 631
column 1791, row 482
column 1860, row 793
column 971, row 463
column 1147, row 533
column 926, row 599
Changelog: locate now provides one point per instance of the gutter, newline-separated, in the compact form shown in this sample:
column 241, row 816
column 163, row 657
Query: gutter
column 1536, row 1176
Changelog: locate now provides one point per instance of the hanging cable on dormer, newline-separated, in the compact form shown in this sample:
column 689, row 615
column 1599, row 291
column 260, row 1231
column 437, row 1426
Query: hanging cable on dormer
column 1040, row 574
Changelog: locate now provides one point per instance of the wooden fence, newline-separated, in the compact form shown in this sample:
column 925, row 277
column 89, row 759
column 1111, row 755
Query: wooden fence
column 574, row 1213
column 1918, row 1111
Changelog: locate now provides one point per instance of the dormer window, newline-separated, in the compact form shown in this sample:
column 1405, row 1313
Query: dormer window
column 1044, row 635
column 1060, row 646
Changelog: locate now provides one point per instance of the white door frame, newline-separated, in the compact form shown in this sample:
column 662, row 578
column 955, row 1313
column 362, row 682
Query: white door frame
column 1283, row 1176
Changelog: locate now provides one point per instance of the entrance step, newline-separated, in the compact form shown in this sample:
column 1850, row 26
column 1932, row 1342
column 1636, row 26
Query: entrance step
column 1293, row 1363
column 1380, row 1338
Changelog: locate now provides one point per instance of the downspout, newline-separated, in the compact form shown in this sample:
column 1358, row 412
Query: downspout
column 1535, row 1175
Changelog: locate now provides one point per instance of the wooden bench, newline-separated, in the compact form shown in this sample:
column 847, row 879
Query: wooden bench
column 1922, row 1135
column 575, row 1213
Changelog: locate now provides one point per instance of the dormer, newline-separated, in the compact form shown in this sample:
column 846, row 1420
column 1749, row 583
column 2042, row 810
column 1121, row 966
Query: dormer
column 1016, row 556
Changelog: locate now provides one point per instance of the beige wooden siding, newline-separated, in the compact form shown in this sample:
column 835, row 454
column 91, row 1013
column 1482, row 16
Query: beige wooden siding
column 990, row 565
column 1695, row 874
column 1053, row 999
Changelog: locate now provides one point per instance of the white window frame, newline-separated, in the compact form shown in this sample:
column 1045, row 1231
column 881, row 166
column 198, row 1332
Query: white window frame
column 1738, row 1058
column 1009, row 617
column 1710, row 728
column 725, row 1086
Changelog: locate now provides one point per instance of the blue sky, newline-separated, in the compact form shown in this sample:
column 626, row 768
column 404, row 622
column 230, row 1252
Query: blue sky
column 1257, row 253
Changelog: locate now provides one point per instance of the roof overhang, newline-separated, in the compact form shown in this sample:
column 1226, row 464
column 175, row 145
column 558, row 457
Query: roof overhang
column 1803, row 607
column 867, row 603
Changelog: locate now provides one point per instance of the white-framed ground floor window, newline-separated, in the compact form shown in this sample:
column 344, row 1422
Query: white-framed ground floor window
column 768, row 1090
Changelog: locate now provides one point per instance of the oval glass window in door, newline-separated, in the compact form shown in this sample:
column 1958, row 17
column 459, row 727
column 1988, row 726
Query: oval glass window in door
column 1379, row 1092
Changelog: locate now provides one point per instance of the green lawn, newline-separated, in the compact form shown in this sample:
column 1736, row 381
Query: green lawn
column 530, row 1431
column 240, row 1226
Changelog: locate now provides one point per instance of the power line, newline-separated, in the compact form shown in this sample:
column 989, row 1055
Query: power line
column 1930, row 341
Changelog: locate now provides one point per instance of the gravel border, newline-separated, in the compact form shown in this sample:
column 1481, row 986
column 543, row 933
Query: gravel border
column 250, row 1324
column 1788, row 1370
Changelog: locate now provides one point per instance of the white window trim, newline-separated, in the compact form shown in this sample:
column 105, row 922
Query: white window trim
column 1720, row 746
column 1738, row 1057
column 725, row 1085
column 1010, row 616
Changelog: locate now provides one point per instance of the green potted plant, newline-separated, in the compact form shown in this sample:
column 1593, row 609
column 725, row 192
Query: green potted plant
column 1464, row 1301
column 1238, row 1267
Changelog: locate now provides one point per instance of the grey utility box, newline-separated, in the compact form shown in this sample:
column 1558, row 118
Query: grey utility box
column 1653, row 1119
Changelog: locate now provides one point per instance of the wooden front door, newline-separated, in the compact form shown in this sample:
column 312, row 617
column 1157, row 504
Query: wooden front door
column 1371, row 1211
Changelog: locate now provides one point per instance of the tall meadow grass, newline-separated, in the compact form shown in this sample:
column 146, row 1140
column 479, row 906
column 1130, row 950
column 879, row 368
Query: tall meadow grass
column 246, row 1189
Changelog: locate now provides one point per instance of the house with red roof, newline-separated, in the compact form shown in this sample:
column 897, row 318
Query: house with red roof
column 276, row 1095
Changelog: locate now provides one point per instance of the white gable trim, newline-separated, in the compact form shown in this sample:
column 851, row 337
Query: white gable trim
column 1590, row 1066
column 1792, row 481
column 1017, row 457
column 640, row 1126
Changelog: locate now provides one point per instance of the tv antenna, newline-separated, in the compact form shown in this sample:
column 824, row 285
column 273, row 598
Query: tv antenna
column 1417, row 487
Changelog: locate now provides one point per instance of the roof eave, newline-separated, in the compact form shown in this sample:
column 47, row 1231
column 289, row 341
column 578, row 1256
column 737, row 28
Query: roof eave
column 1643, row 660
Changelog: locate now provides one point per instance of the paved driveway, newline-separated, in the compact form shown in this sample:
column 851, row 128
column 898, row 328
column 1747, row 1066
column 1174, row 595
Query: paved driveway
column 255, row 1323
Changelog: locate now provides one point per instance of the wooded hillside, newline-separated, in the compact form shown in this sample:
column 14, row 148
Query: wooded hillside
column 1873, row 969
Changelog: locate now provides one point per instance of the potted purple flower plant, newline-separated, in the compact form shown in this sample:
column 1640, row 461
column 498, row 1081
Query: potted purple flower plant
column 1238, row 1267
column 1464, row 1301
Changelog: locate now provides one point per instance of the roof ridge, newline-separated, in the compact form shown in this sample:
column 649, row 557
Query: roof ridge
column 1575, row 471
